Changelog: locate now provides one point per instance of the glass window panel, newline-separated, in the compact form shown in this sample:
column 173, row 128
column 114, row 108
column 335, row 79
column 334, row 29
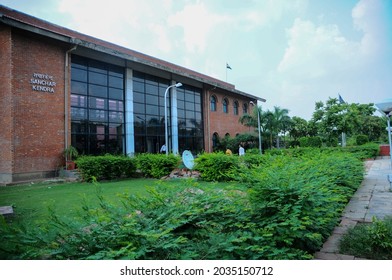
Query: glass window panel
column 97, row 144
column 139, row 108
column 116, row 128
column 152, row 80
column 79, row 142
column 198, row 116
column 98, row 78
column 98, row 103
column 138, row 77
column 98, row 128
column 180, row 94
column 151, row 99
column 139, row 129
column 79, row 87
column 79, row 62
column 151, row 89
column 153, row 120
column 98, row 115
column 213, row 103
column 181, row 104
column 162, row 101
column 98, row 91
column 162, row 91
column 197, row 97
column 198, row 107
column 78, row 113
column 138, row 86
column 138, row 97
column 116, row 71
column 78, row 100
column 189, row 97
column 97, row 66
column 114, row 144
column 115, row 116
column 189, row 106
column 78, row 75
column 181, row 113
column 115, row 93
column 116, row 105
column 152, row 110
column 116, row 82
column 78, row 127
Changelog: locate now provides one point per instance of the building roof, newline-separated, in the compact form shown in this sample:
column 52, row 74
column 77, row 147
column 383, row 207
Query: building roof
column 26, row 22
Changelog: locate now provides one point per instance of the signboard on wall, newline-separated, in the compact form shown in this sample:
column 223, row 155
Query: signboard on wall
column 42, row 82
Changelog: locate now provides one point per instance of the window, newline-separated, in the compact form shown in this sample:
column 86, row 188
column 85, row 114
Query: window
column 215, row 140
column 225, row 105
column 213, row 103
column 235, row 107
column 190, row 120
column 97, row 107
column 149, row 112
column 245, row 108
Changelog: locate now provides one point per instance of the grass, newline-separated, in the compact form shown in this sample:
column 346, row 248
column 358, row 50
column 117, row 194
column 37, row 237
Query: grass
column 370, row 241
column 32, row 202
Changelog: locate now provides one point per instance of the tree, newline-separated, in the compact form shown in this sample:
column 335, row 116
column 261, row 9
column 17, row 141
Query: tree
column 334, row 118
column 298, row 128
column 278, row 122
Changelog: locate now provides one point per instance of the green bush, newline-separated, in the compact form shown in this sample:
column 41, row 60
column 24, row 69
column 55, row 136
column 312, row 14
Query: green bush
column 105, row 167
column 217, row 167
column 157, row 165
column 362, row 139
column 300, row 200
column 314, row 141
column 171, row 223
column 370, row 241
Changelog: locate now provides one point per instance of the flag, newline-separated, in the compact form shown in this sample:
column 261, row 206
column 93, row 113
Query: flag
column 228, row 66
column 341, row 100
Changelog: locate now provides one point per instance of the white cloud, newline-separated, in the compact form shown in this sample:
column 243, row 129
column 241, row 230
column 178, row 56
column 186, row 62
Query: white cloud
column 197, row 24
column 315, row 51
column 366, row 17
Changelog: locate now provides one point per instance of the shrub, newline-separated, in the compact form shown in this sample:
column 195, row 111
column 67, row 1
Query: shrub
column 217, row 167
column 105, row 167
column 362, row 139
column 299, row 201
column 156, row 165
column 370, row 241
column 314, row 141
column 171, row 223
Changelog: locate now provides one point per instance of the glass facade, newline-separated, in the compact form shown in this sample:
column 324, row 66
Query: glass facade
column 149, row 112
column 149, row 115
column 97, row 107
column 190, row 119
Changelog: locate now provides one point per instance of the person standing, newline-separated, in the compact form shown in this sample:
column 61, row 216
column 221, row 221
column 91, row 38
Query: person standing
column 241, row 151
column 163, row 149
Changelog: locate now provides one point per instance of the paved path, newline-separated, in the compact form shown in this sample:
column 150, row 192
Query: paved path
column 372, row 199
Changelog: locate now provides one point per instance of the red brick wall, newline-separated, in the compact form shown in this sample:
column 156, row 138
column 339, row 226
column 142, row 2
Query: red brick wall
column 5, row 105
column 220, row 122
column 38, row 115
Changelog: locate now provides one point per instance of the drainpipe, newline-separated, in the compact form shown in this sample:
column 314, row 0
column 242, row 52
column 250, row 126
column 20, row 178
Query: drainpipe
column 66, row 89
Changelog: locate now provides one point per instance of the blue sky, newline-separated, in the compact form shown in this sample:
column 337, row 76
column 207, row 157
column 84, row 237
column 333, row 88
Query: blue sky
column 291, row 52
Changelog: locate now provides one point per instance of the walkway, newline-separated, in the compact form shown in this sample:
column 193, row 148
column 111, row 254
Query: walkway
column 372, row 199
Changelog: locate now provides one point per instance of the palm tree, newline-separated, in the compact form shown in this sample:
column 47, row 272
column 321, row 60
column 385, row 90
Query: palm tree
column 251, row 120
column 278, row 121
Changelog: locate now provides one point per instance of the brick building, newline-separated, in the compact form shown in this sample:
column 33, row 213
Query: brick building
column 59, row 87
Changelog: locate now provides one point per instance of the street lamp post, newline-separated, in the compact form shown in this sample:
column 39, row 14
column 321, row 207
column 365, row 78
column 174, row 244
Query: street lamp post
column 258, row 126
column 166, row 133
column 385, row 106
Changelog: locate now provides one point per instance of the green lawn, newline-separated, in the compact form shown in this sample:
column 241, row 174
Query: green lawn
column 31, row 202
